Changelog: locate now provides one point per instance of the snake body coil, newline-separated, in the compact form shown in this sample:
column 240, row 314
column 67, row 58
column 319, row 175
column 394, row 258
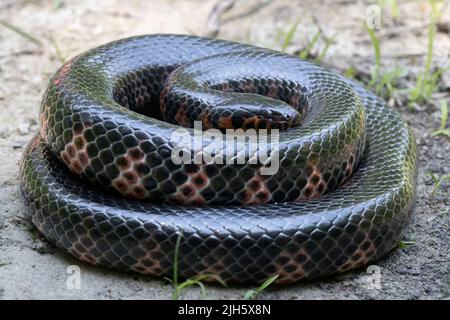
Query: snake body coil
column 341, row 196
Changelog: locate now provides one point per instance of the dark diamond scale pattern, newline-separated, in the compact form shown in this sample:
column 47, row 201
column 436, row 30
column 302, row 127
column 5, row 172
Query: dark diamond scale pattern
column 342, row 198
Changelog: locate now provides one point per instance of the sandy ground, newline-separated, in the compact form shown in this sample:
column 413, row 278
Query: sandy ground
column 32, row 268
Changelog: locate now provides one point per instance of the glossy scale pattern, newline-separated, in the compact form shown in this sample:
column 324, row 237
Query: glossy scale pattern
column 342, row 196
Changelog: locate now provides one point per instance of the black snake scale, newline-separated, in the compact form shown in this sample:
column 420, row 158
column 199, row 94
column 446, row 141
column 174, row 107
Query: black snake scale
column 342, row 197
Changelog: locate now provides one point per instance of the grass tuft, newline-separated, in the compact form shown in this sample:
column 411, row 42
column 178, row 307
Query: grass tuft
column 438, row 181
column 443, row 131
column 289, row 36
column 428, row 79
column 307, row 52
column 382, row 81
column 197, row 280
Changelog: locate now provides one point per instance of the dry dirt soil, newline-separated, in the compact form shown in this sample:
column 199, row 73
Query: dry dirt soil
column 32, row 268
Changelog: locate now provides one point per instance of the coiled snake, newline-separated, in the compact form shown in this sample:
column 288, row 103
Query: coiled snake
column 341, row 197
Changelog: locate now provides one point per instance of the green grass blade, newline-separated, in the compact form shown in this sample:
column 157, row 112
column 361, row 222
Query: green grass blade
column 21, row 32
column 433, row 177
column 442, row 133
column 328, row 43
column 402, row 244
column 376, row 45
column 253, row 293
column 206, row 276
column 58, row 52
column 186, row 284
column 427, row 81
column 250, row 294
column 306, row 52
column 175, row 260
column 350, row 72
column 431, row 34
column 444, row 114
column 438, row 184
column 289, row 36
column 180, row 287
column 202, row 289
column 444, row 117
column 268, row 282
